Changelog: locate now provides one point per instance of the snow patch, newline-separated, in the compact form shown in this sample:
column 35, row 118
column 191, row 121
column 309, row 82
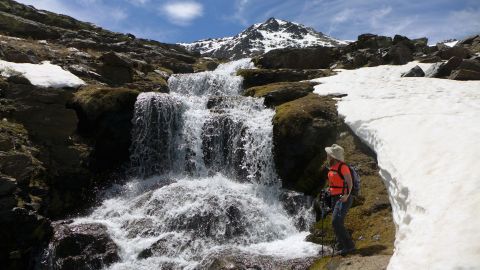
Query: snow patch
column 426, row 135
column 41, row 75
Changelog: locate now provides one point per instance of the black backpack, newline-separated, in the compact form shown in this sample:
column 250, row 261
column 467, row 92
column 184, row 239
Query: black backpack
column 355, row 178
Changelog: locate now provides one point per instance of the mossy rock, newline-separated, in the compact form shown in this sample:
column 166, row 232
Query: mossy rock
column 278, row 93
column 370, row 219
column 257, row 77
column 302, row 128
column 95, row 100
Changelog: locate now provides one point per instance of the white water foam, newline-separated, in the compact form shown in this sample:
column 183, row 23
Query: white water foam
column 212, row 185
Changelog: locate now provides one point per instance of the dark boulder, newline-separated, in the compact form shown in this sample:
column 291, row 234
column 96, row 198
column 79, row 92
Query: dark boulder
column 278, row 93
column 446, row 52
column 7, row 185
column 443, row 69
column 398, row 39
column 470, row 64
column 82, row 246
column 116, row 68
column 399, row 54
column 17, row 56
column 23, row 235
column 416, row 71
column 465, row 75
column 297, row 58
column 371, row 41
column 301, row 130
column 256, row 77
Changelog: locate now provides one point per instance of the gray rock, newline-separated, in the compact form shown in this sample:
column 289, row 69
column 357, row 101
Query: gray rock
column 416, row 71
column 432, row 71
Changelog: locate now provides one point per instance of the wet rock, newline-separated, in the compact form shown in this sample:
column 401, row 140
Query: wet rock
column 116, row 68
column 296, row 204
column 222, row 145
column 223, row 102
column 297, row 58
column 238, row 260
column 82, row 246
column 105, row 116
column 256, row 77
column 278, row 93
column 301, row 130
column 465, row 75
column 416, row 71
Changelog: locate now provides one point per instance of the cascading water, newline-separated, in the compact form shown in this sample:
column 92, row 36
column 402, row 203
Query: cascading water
column 206, row 181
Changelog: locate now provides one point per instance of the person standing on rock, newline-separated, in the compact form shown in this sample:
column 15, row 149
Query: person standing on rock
column 340, row 189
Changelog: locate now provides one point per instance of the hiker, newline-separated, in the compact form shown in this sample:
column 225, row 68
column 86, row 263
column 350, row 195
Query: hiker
column 341, row 199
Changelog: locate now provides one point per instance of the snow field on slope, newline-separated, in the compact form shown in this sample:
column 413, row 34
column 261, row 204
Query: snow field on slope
column 426, row 133
column 41, row 75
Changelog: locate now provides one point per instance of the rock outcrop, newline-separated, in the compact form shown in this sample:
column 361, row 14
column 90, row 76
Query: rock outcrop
column 257, row 77
column 302, row 128
column 278, row 93
column 296, row 58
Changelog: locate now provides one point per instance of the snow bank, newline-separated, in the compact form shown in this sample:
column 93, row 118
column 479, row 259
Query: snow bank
column 42, row 75
column 426, row 133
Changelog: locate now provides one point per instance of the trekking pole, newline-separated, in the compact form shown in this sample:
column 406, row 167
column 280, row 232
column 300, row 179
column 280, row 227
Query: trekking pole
column 322, row 217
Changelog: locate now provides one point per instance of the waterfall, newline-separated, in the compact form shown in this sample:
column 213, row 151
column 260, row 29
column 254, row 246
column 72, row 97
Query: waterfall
column 205, row 181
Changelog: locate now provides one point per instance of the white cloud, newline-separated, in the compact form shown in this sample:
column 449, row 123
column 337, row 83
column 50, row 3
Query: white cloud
column 182, row 13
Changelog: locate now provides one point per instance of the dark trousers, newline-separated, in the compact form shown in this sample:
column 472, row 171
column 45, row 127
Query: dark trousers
column 340, row 210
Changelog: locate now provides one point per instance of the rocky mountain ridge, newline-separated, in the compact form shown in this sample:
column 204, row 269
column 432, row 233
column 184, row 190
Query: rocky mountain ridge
column 261, row 38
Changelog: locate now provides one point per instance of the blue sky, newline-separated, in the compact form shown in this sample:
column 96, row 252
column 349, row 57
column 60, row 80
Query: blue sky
column 188, row 20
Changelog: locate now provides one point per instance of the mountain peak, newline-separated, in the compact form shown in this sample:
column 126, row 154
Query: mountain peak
column 263, row 37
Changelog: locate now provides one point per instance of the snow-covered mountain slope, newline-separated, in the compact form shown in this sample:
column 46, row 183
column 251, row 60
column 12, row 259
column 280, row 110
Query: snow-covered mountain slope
column 426, row 135
column 263, row 37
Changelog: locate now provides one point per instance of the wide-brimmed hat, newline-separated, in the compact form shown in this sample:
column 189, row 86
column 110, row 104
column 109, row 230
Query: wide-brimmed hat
column 336, row 151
